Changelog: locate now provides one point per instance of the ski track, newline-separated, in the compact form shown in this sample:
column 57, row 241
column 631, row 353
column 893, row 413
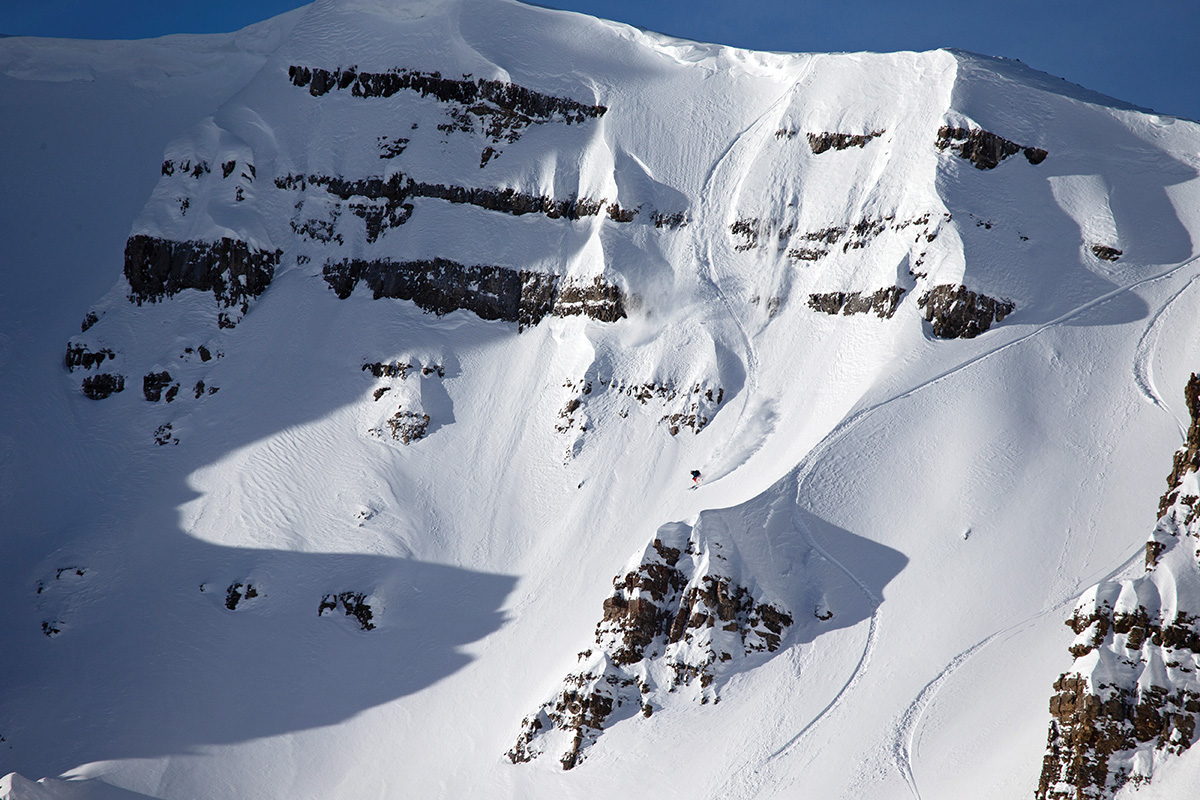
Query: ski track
column 1143, row 367
column 906, row 731
column 909, row 730
column 752, row 783
column 752, row 138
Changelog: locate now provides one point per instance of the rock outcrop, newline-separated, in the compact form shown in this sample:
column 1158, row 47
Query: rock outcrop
column 956, row 312
column 164, row 434
column 687, row 407
column 882, row 302
column 503, row 109
column 400, row 369
column 821, row 142
column 154, row 383
column 233, row 271
column 353, row 603
column 409, row 422
column 1187, row 458
column 106, row 384
column 405, row 426
column 1106, row 253
column 753, row 232
column 499, row 111
column 984, row 149
column 384, row 203
column 1132, row 697
column 675, row 620
column 493, row 293
column 237, row 592
column 80, row 355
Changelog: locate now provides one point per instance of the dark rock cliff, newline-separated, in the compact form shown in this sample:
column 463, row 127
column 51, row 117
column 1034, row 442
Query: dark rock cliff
column 672, row 621
column 499, row 111
column 1133, row 697
column 882, row 302
column 821, row 142
column 353, row 603
column 982, row 148
column 1187, row 458
column 384, row 203
column 230, row 269
column 495, row 293
column 80, row 355
column 956, row 312
column 518, row 100
column 106, row 384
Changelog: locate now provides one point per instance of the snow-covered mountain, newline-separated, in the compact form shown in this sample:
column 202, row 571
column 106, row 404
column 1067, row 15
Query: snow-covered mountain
column 355, row 366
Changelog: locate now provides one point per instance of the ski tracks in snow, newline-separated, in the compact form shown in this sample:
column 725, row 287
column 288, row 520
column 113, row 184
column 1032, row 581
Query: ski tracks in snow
column 907, row 730
column 749, row 785
column 857, row 417
column 746, row 786
column 1143, row 360
column 744, row 147
column 868, row 646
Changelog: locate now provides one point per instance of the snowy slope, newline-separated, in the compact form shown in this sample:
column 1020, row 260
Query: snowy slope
column 429, row 308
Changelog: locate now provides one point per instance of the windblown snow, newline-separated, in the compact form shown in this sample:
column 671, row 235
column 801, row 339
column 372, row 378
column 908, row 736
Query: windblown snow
column 355, row 365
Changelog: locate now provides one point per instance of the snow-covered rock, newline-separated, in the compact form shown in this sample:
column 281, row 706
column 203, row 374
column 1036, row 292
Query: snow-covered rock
column 1132, row 698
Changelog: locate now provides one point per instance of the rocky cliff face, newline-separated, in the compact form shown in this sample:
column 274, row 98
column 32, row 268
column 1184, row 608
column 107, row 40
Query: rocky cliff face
column 1187, row 458
column 383, row 203
column 674, row 620
column 883, row 302
column 498, row 110
column 822, row 142
column 212, row 176
column 1133, row 695
column 982, row 148
column 230, row 269
column 441, row 286
column 956, row 312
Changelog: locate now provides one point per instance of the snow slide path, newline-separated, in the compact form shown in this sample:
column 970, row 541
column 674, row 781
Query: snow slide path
column 1143, row 367
column 726, row 178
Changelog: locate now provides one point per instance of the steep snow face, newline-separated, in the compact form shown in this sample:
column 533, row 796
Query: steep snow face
column 431, row 311
column 1132, row 697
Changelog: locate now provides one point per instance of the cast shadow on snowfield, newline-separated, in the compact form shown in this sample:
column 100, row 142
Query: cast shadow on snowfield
column 112, row 651
column 161, row 665
column 1060, row 213
column 437, row 404
column 855, row 571
column 21, row 788
column 121, row 617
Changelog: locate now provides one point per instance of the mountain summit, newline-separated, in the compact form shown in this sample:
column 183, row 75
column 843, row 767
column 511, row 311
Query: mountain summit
column 358, row 363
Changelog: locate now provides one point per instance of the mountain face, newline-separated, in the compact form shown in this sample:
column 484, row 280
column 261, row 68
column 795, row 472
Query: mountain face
column 357, row 365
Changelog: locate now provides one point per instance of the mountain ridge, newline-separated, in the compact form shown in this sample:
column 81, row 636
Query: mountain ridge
column 471, row 491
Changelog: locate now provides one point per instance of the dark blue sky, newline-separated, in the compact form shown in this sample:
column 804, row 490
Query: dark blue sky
column 1146, row 52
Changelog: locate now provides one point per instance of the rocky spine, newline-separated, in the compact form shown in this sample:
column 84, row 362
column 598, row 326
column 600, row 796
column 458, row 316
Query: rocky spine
column 673, row 620
column 1132, row 697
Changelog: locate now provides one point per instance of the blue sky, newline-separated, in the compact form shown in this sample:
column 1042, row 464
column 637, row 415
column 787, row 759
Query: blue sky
column 1147, row 53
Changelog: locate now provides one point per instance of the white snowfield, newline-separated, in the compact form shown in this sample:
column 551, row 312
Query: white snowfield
column 926, row 510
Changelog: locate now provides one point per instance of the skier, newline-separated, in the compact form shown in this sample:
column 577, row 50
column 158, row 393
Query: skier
column 695, row 477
